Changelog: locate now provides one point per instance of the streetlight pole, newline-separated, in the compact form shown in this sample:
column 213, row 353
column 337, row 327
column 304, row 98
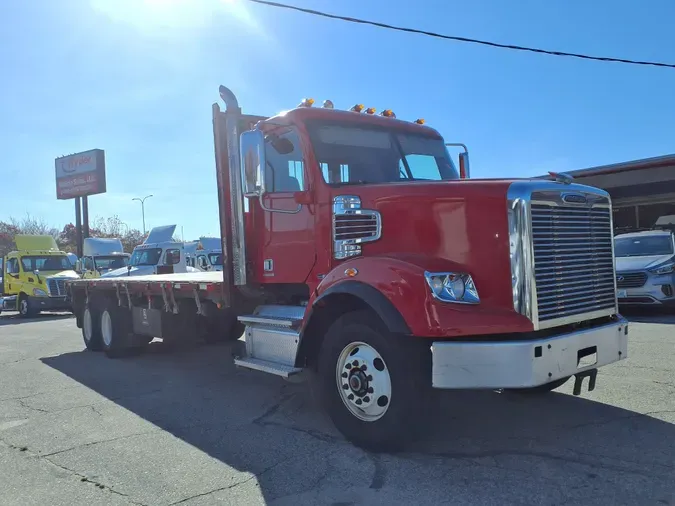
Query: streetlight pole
column 142, row 201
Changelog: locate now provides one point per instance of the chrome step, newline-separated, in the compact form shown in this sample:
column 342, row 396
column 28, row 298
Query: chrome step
column 257, row 364
column 275, row 316
column 272, row 337
column 270, row 321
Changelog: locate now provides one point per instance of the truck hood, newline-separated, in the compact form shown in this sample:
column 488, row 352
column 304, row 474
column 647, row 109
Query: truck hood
column 62, row 275
column 452, row 225
column 141, row 270
column 624, row 264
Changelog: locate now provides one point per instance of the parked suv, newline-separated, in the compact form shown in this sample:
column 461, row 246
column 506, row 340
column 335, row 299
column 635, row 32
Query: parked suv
column 645, row 265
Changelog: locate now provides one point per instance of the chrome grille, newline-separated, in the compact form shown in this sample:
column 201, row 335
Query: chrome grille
column 630, row 279
column 573, row 256
column 355, row 226
column 56, row 287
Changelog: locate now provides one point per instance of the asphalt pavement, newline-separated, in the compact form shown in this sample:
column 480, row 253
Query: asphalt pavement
column 77, row 428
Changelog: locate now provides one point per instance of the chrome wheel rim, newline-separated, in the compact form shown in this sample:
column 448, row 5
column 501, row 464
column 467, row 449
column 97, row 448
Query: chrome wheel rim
column 363, row 381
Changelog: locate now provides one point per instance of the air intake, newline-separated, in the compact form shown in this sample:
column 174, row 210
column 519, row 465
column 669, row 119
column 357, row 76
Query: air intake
column 353, row 226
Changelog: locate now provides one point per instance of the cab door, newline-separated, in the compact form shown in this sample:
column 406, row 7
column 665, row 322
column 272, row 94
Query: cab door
column 11, row 278
column 283, row 229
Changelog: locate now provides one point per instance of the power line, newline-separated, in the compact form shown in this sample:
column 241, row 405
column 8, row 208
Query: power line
column 460, row 39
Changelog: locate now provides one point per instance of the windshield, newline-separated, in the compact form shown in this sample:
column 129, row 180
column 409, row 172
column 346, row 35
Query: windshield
column 45, row 263
column 110, row 262
column 643, row 246
column 149, row 256
column 361, row 155
column 216, row 258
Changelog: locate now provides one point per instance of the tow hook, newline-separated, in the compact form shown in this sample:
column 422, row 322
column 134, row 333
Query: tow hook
column 579, row 380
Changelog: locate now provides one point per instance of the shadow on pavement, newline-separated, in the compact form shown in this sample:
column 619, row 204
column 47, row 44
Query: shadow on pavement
column 13, row 318
column 262, row 425
column 649, row 315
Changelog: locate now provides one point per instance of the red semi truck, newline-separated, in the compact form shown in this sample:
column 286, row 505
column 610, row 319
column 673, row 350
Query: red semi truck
column 356, row 251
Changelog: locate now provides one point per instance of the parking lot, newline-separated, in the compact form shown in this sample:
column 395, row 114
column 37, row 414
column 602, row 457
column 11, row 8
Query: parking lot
column 190, row 429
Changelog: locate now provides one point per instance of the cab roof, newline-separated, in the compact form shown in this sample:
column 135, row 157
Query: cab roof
column 45, row 243
column 303, row 114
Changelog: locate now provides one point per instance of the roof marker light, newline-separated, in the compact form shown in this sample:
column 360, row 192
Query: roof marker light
column 308, row 102
column 357, row 108
column 388, row 113
column 420, row 121
column 327, row 104
column 370, row 110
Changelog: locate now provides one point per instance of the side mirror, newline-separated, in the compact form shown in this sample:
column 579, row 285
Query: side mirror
column 78, row 266
column 252, row 148
column 464, row 171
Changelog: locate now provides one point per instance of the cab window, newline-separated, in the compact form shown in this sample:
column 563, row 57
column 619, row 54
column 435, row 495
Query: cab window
column 171, row 257
column 285, row 167
column 12, row 266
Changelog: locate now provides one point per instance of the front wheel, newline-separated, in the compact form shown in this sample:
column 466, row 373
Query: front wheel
column 25, row 308
column 375, row 385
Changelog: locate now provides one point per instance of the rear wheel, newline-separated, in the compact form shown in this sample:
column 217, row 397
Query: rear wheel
column 117, row 340
column 91, row 329
column 375, row 385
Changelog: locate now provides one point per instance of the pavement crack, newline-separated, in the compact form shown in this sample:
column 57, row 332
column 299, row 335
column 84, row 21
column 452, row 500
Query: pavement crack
column 315, row 434
column 274, row 408
column 233, row 485
column 380, row 473
column 85, row 445
column 591, row 462
column 24, row 404
column 102, row 486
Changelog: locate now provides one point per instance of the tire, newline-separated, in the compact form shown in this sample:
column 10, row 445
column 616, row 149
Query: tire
column 116, row 338
column 393, row 388
column 541, row 389
column 25, row 308
column 91, row 329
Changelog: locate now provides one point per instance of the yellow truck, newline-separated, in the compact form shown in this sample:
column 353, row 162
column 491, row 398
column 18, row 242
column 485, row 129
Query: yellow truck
column 34, row 276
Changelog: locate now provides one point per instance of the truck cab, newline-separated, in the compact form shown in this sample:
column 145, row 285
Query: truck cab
column 208, row 254
column 34, row 276
column 159, row 254
column 101, row 255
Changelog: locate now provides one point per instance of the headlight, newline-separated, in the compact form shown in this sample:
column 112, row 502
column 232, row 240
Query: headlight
column 663, row 269
column 38, row 292
column 452, row 287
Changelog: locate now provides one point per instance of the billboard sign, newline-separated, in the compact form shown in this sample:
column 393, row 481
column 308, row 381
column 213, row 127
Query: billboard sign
column 80, row 174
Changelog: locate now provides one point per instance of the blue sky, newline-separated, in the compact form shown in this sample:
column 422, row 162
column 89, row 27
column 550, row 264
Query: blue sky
column 137, row 78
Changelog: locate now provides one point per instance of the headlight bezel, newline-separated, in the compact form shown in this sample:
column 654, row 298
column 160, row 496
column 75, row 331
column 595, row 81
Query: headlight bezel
column 441, row 287
column 39, row 292
column 659, row 270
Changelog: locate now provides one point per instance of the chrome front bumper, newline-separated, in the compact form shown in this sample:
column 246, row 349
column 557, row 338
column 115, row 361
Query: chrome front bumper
column 522, row 364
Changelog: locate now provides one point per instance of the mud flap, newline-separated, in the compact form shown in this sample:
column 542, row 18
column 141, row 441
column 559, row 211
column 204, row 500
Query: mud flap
column 591, row 374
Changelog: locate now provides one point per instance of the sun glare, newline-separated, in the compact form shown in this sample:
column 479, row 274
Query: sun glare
column 151, row 15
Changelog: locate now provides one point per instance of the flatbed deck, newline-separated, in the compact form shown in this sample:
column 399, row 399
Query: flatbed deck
column 208, row 283
column 183, row 277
